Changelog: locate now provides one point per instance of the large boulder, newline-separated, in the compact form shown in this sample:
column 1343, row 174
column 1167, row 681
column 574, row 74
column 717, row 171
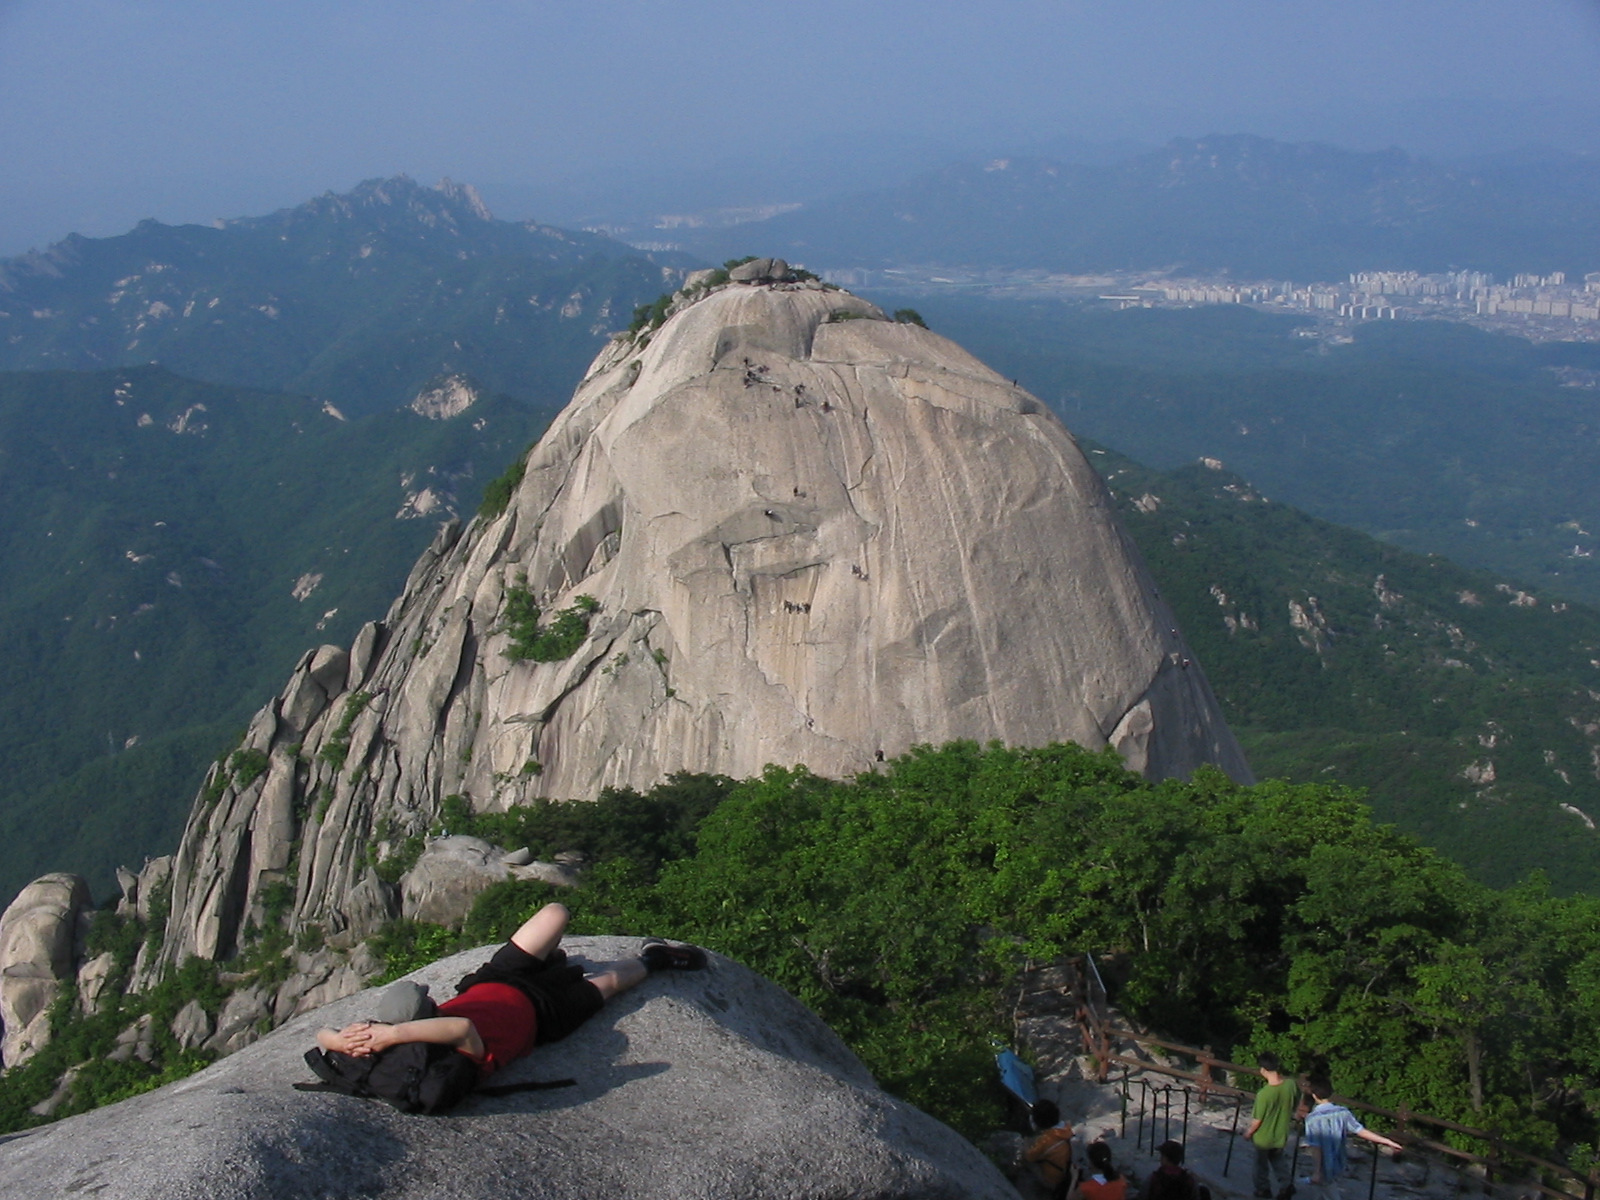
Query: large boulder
column 715, row 1084
column 448, row 877
column 40, row 936
column 93, row 976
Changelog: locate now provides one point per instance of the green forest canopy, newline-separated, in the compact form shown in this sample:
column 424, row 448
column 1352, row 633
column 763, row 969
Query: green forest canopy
column 901, row 905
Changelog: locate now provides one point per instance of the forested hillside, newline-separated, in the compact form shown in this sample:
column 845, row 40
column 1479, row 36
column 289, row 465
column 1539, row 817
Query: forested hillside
column 1466, row 705
column 170, row 549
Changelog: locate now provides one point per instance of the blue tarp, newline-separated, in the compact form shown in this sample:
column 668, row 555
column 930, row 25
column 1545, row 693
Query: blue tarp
column 1016, row 1077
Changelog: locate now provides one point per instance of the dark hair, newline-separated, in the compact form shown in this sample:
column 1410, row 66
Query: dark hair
column 1320, row 1087
column 1045, row 1114
column 1172, row 1152
column 1100, row 1156
column 1268, row 1061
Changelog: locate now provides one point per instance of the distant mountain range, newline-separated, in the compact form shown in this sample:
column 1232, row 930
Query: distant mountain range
column 361, row 299
column 1241, row 204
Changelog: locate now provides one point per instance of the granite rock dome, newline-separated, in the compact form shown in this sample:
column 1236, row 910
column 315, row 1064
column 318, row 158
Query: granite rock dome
column 810, row 535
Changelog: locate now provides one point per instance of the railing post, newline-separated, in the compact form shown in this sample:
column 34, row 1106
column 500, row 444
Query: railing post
column 1233, row 1134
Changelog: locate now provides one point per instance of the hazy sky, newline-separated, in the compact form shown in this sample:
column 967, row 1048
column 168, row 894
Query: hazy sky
column 114, row 110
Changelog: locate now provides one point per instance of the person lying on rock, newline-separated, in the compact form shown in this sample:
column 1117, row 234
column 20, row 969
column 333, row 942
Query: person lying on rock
column 527, row 995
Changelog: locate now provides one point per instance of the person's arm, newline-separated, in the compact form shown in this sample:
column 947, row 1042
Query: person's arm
column 1368, row 1136
column 1254, row 1125
column 371, row 1037
column 1316, row 1162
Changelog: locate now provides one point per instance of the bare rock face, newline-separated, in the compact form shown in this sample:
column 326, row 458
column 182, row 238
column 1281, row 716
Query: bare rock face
column 40, row 937
column 191, row 1027
column 714, row 1085
column 810, row 534
column 243, row 1013
column 93, row 976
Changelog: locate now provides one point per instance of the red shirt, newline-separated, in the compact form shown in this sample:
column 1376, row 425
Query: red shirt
column 1097, row 1187
column 503, row 1016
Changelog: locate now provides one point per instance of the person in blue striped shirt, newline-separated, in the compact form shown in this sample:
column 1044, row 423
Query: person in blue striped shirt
column 1327, row 1127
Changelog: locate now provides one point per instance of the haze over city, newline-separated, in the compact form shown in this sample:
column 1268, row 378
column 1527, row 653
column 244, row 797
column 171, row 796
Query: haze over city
column 111, row 112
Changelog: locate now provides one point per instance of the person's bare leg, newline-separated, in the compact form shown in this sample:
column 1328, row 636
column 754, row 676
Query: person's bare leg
column 618, row 976
column 541, row 933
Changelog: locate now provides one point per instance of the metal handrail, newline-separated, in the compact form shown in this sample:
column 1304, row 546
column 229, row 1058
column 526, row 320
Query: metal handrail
column 1099, row 1034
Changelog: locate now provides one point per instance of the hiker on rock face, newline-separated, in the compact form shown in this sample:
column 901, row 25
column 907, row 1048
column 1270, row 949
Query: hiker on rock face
column 1269, row 1127
column 525, row 996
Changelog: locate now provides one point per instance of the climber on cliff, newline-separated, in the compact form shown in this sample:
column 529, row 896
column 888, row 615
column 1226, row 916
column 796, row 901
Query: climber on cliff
column 525, row 996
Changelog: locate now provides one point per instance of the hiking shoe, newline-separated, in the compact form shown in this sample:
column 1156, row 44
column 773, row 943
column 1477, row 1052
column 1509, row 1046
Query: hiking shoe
column 660, row 956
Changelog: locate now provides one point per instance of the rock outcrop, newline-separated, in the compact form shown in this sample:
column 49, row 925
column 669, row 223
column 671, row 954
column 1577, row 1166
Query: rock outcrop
column 711, row 1085
column 445, row 397
column 41, row 939
column 808, row 534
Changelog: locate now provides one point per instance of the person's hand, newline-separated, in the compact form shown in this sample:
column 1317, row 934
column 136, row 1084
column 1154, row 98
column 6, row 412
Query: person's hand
column 365, row 1037
column 341, row 1041
column 378, row 1037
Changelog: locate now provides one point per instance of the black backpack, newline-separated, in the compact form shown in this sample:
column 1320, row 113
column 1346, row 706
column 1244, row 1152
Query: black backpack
column 414, row 1077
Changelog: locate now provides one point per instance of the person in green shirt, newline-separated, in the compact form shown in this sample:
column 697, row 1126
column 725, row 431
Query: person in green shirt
column 1269, row 1125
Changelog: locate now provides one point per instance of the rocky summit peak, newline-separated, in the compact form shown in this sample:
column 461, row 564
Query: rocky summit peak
column 465, row 195
column 397, row 200
column 772, row 526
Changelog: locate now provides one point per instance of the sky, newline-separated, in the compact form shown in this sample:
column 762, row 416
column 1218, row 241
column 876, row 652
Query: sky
column 112, row 111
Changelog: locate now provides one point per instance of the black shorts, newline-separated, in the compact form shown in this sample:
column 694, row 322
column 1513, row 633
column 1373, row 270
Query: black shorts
column 562, row 998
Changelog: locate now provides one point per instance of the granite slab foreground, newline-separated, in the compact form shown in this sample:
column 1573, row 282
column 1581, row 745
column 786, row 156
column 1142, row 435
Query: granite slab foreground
column 712, row 1084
